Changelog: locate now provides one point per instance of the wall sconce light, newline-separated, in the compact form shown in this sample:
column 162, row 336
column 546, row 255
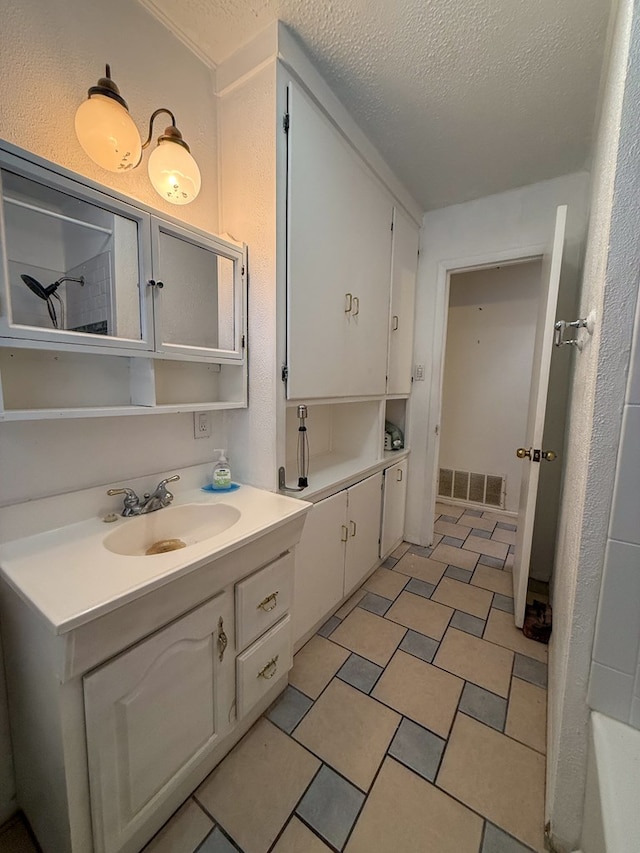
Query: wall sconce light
column 108, row 134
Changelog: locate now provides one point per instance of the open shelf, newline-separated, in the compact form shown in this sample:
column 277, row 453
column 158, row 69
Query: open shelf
column 38, row 384
column 345, row 439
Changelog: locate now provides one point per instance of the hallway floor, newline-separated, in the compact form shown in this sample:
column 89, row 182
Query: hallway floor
column 414, row 721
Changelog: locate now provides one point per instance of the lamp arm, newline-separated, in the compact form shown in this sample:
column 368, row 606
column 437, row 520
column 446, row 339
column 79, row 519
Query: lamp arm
column 154, row 115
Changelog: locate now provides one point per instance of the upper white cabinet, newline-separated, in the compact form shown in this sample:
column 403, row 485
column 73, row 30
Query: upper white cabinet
column 82, row 268
column 72, row 261
column 339, row 260
column 106, row 308
column 197, row 293
column 404, row 265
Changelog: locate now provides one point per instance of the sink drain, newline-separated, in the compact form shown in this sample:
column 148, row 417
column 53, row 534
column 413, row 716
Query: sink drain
column 164, row 545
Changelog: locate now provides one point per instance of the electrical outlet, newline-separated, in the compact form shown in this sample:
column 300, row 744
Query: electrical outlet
column 419, row 373
column 202, row 424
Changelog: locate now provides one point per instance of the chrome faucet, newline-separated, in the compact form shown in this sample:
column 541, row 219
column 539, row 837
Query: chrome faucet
column 160, row 498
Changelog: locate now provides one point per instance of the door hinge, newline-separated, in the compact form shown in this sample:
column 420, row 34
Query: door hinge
column 285, row 373
column 392, row 224
column 285, row 122
column 242, row 271
column 243, row 342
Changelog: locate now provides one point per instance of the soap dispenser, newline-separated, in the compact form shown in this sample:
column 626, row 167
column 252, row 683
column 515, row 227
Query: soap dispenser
column 221, row 474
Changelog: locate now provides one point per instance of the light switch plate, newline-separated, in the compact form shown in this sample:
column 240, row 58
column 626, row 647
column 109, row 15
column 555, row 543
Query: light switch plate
column 202, row 424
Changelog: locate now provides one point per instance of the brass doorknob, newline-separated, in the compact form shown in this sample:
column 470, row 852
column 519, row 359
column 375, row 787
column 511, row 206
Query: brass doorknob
column 549, row 455
column 522, row 453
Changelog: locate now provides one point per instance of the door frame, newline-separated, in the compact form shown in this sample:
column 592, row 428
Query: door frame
column 447, row 268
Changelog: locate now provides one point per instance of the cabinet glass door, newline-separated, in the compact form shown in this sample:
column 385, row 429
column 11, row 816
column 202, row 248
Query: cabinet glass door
column 71, row 264
column 198, row 293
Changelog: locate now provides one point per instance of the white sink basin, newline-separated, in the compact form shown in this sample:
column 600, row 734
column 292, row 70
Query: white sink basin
column 190, row 523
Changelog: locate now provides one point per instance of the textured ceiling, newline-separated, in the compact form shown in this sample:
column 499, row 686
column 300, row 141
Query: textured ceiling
column 462, row 97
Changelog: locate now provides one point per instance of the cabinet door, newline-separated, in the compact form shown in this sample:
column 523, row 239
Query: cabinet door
column 393, row 507
column 197, row 293
column 338, row 265
column 404, row 265
column 319, row 572
column 363, row 522
column 71, row 262
column 153, row 714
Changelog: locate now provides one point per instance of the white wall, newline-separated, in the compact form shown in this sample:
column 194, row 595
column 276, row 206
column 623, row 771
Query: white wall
column 51, row 51
column 610, row 284
column 489, row 354
column 247, row 115
column 614, row 683
column 504, row 223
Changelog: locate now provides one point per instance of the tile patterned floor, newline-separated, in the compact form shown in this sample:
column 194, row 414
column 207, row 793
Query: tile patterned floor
column 414, row 720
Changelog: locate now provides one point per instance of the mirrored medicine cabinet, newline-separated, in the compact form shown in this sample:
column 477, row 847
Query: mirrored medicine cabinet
column 83, row 270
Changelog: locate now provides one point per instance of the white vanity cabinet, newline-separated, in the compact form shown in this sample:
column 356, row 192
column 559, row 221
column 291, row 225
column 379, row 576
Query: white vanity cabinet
column 153, row 714
column 338, row 548
column 119, row 713
column 393, row 507
column 339, row 253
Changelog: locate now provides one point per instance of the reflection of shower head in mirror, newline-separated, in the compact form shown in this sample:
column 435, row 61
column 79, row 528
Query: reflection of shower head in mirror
column 47, row 292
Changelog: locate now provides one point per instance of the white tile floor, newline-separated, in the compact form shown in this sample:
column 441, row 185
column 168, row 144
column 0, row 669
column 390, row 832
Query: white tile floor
column 414, row 721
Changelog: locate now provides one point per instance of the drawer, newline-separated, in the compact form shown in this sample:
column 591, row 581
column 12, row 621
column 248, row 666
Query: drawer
column 262, row 664
column 262, row 599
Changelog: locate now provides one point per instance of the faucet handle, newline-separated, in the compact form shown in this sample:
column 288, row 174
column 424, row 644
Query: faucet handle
column 130, row 494
column 131, row 500
column 169, row 480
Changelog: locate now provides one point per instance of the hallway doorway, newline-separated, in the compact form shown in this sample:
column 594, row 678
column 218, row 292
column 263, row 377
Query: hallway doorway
column 488, row 358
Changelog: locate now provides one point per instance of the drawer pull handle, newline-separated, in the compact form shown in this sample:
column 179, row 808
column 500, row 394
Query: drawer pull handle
column 354, row 528
column 270, row 669
column 399, row 475
column 356, row 306
column 345, row 533
column 269, row 602
column 223, row 642
column 348, row 303
column 395, row 323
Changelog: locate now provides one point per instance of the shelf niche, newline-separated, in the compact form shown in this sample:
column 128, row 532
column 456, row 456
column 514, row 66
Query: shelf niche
column 344, row 439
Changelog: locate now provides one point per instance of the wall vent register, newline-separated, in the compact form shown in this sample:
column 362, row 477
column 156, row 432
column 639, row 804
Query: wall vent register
column 487, row 489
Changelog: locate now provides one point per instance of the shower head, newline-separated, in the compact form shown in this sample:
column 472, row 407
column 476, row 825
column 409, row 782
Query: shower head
column 35, row 287
column 44, row 293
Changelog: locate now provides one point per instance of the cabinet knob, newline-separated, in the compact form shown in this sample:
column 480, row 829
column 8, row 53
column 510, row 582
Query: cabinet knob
column 269, row 602
column 270, row 669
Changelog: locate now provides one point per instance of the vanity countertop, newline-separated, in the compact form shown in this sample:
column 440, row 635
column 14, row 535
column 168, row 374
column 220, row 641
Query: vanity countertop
column 71, row 578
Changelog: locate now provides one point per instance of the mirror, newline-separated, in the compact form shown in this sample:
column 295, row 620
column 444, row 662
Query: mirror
column 72, row 265
column 197, row 297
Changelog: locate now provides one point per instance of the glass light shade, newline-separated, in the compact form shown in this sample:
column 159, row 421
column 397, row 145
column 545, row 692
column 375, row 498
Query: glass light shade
column 108, row 134
column 174, row 173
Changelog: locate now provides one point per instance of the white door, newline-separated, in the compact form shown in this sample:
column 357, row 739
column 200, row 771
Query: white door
column 404, row 266
column 393, row 506
column 153, row 715
column 551, row 265
column 363, row 522
column 319, row 573
column 338, row 264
